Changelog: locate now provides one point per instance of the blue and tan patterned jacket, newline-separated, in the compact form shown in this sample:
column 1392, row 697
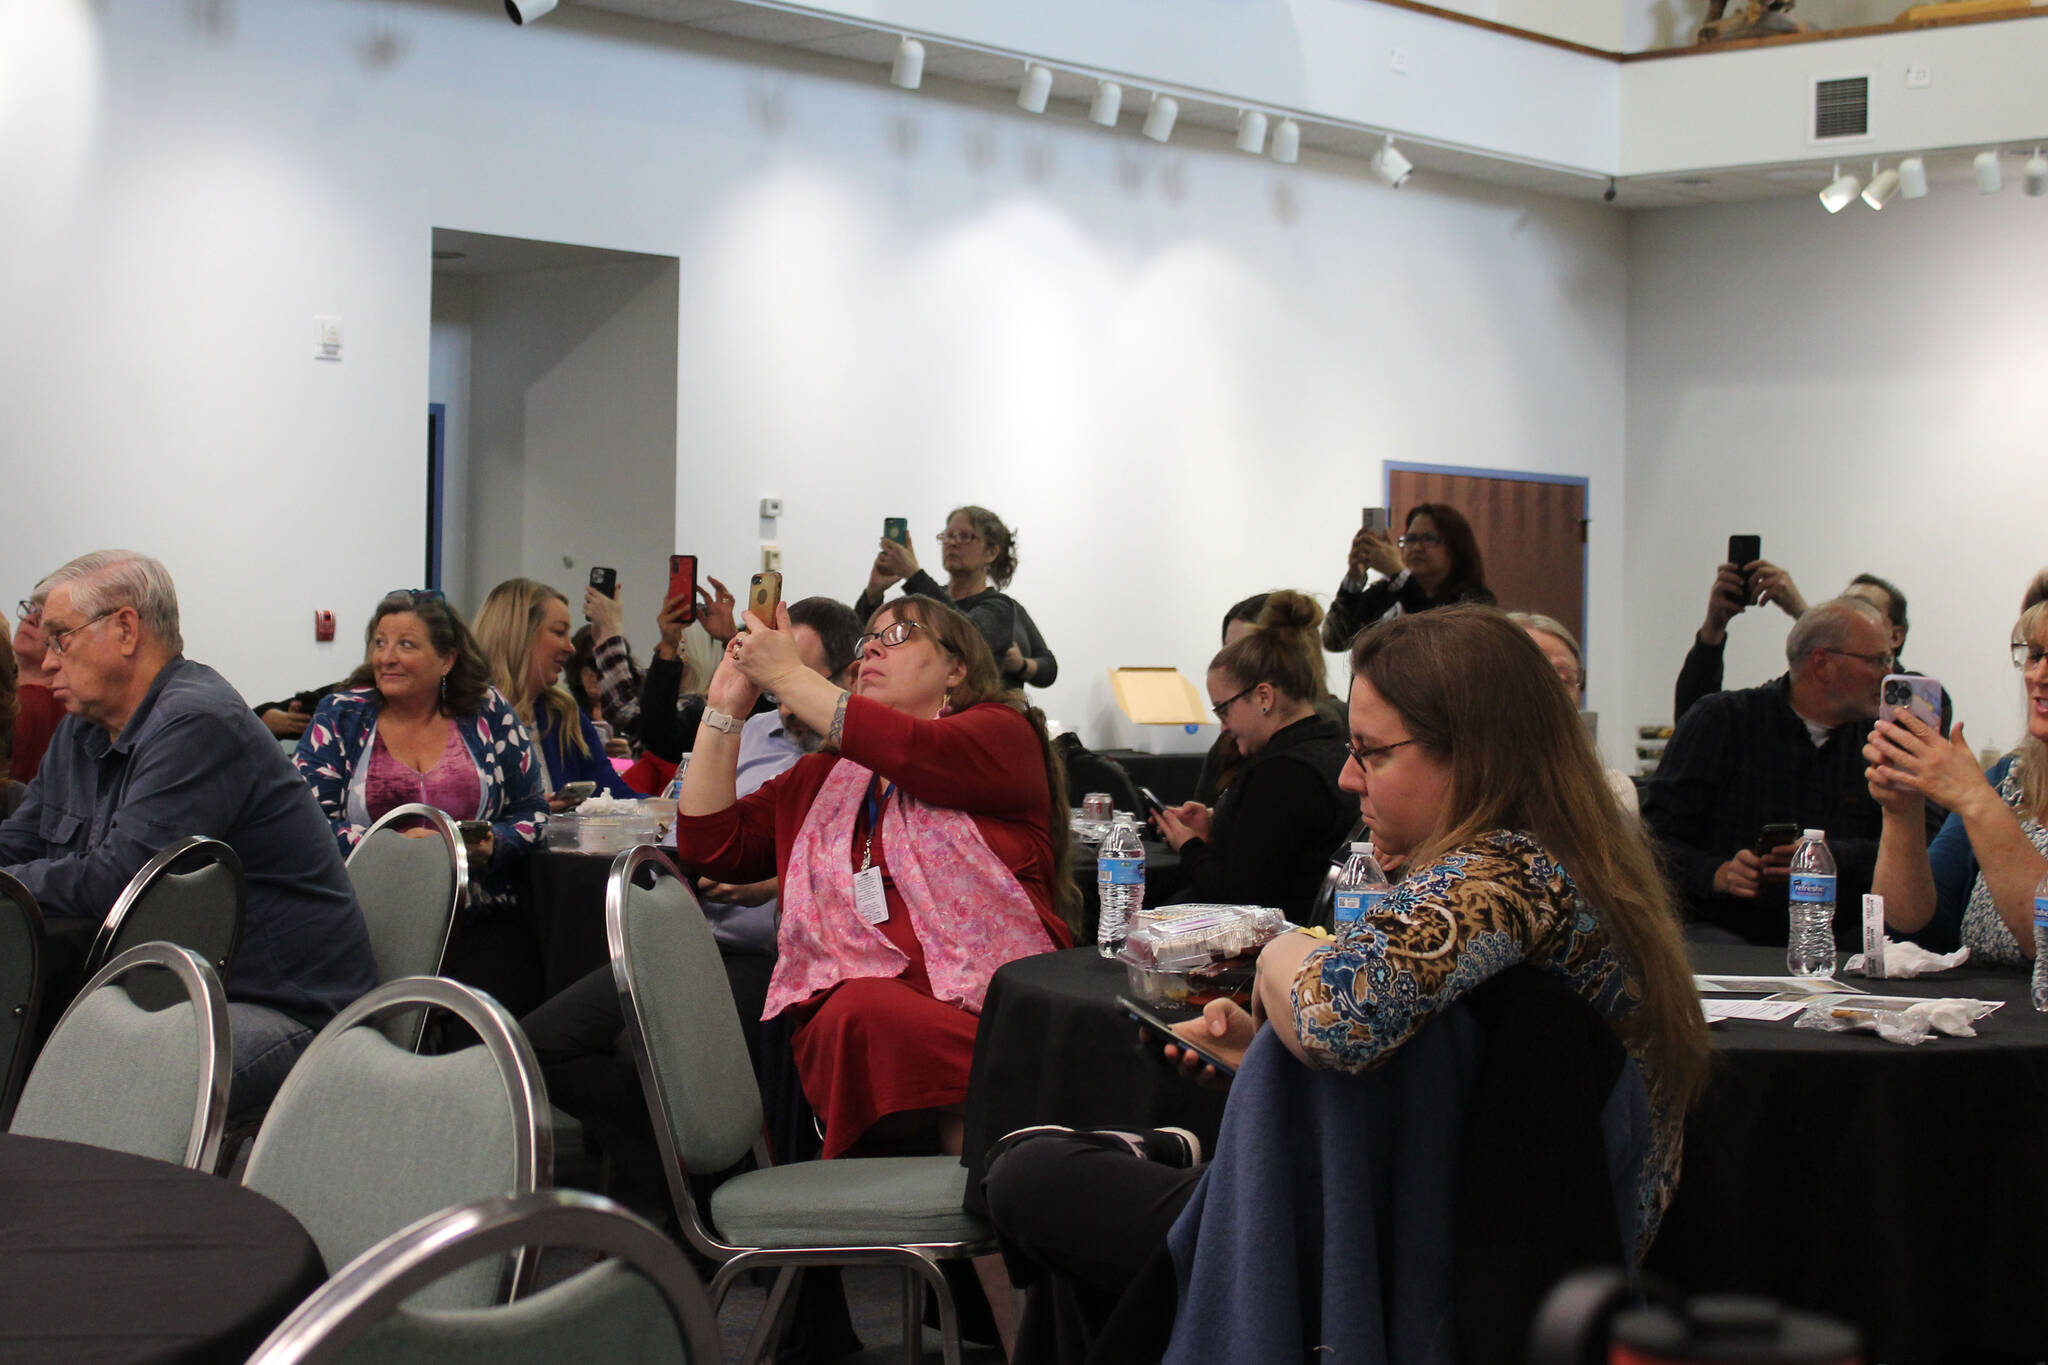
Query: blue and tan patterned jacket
column 332, row 758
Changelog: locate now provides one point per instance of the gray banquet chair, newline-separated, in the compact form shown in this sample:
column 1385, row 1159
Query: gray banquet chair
column 642, row 1306
column 411, row 891
column 683, row 1031
column 21, row 987
column 199, row 907
column 366, row 1137
column 149, row 1081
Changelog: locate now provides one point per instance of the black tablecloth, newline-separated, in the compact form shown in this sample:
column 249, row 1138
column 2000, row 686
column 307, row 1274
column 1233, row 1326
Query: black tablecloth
column 564, row 903
column 109, row 1257
column 1895, row 1187
column 1172, row 777
column 1053, row 1048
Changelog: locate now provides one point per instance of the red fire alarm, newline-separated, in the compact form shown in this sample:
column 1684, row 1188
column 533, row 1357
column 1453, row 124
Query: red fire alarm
column 323, row 625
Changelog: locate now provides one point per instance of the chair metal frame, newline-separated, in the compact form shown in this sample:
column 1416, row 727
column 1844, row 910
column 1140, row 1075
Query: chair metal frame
column 919, row 1261
column 14, row 1068
column 374, row 1284
column 153, row 871
column 533, row 1144
column 216, row 1046
column 458, row 889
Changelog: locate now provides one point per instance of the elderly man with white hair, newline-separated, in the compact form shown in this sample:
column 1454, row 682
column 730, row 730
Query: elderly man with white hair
column 1788, row 753
column 155, row 747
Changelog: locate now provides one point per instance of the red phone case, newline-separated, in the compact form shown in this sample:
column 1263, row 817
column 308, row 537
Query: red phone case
column 682, row 582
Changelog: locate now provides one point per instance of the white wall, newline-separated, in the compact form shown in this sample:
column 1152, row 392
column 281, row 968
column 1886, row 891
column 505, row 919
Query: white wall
column 1865, row 392
column 448, row 367
column 572, row 452
column 1175, row 369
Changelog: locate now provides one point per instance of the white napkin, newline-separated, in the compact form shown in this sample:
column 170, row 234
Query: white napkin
column 1903, row 960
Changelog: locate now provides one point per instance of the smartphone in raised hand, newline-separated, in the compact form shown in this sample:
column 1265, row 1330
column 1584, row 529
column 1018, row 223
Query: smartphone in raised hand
column 764, row 595
column 897, row 529
column 682, row 582
column 605, row 580
column 1913, row 694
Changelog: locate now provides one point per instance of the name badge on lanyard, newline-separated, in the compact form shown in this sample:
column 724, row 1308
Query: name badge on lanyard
column 869, row 900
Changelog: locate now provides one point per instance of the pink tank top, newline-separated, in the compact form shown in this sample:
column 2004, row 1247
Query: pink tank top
column 450, row 786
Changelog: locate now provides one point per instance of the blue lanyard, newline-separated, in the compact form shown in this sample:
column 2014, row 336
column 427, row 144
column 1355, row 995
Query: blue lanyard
column 874, row 805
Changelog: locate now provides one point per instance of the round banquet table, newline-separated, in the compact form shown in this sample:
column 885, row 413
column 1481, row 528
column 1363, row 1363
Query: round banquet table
column 1052, row 1047
column 1894, row 1187
column 564, row 905
column 108, row 1257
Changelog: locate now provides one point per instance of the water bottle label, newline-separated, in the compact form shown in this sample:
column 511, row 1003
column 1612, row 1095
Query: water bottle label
column 1353, row 906
column 2041, row 912
column 1813, row 886
column 1120, row 872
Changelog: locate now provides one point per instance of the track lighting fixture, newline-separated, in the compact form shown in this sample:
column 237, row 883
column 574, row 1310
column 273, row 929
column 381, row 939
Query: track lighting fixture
column 1841, row 192
column 1390, row 166
column 1912, row 178
column 1037, row 88
column 1883, row 185
column 1251, row 132
column 1109, row 102
column 2036, row 182
column 1287, row 142
column 523, row 12
column 1990, row 179
column 1159, row 119
column 908, row 69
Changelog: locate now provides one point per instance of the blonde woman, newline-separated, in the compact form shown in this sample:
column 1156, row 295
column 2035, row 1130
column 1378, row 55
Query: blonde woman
column 1975, row 883
column 525, row 632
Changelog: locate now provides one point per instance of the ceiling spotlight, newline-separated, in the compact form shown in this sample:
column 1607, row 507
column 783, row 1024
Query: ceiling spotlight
column 1287, row 142
column 1883, row 185
column 1159, row 119
column 1390, row 166
column 1037, row 88
column 1989, row 178
column 526, row 11
column 1841, row 192
column 1912, row 178
column 2036, row 183
column 1109, row 102
column 1251, row 132
column 908, row 69
column 1610, row 192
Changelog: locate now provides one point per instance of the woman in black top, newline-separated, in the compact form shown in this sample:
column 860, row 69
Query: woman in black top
column 1269, row 837
column 980, row 557
column 1436, row 562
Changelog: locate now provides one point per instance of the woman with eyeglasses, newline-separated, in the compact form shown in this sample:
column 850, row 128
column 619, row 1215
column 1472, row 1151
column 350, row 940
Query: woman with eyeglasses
column 1434, row 563
column 980, row 557
column 419, row 722
column 923, row 848
column 1269, row 837
column 1975, row 882
column 524, row 630
column 1466, row 755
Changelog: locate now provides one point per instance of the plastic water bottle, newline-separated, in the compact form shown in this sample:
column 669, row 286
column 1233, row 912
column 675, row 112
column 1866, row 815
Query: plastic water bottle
column 2041, row 945
column 1810, row 943
column 1119, row 882
column 1360, row 887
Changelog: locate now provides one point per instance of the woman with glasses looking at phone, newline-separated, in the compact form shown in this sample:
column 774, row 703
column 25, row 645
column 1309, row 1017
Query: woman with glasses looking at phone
column 1974, row 884
column 925, row 847
column 419, row 722
column 1435, row 562
column 980, row 557
column 1269, row 837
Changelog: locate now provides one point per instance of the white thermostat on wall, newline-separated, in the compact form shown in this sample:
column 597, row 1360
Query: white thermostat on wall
column 326, row 337
column 771, row 508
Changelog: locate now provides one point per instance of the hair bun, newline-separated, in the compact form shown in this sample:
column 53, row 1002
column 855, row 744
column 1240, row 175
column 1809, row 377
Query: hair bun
column 1287, row 609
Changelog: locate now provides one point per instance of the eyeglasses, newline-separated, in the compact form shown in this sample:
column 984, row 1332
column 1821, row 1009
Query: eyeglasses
column 1884, row 660
column 1368, row 756
column 419, row 594
column 29, row 611
column 958, row 537
column 2025, row 655
column 1221, row 707
column 894, row 634
column 1420, row 538
column 58, row 642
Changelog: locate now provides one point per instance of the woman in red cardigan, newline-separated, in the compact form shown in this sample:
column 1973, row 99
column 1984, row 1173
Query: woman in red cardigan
column 925, row 847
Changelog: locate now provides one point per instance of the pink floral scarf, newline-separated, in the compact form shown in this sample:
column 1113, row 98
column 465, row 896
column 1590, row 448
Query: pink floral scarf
column 967, row 908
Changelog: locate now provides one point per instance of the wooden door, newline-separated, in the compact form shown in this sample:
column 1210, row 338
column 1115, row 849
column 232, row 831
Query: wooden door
column 1531, row 532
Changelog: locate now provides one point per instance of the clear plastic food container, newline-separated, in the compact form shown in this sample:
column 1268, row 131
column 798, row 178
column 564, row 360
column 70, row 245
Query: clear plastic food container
column 1191, row 954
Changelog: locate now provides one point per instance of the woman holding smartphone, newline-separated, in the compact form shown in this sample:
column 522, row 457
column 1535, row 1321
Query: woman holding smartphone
column 980, row 556
column 1434, row 563
column 1468, row 757
column 1975, row 882
column 525, row 632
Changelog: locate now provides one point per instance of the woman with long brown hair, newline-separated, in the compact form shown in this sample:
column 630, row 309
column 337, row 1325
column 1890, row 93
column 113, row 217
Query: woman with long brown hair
column 1435, row 562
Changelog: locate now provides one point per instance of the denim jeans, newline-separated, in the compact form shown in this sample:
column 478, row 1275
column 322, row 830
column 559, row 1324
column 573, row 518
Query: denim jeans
column 267, row 1043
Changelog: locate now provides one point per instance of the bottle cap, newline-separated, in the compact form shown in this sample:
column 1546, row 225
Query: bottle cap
column 1364, row 846
column 1815, row 834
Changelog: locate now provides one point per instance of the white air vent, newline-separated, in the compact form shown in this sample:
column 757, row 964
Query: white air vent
column 1841, row 108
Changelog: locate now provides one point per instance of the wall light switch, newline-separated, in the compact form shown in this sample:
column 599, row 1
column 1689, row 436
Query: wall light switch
column 771, row 508
column 1397, row 60
column 326, row 337
column 1919, row 76
column 771, row 557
